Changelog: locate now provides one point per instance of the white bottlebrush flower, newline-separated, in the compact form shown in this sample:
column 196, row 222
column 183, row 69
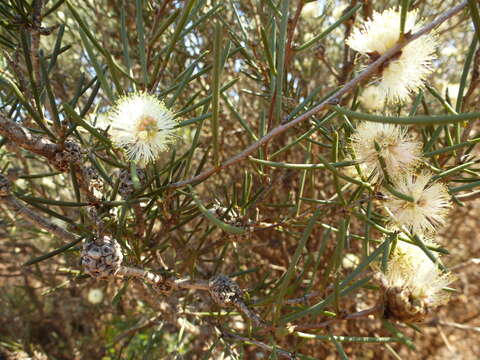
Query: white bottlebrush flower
column 413, row 283
column 143, row 125
column 399, row 151
column 372, row 99
column 404, row 72
column 311, row 10
column 430, row 205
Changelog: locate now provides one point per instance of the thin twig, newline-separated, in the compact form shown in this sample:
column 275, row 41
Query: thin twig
column 292, row 25
column 156, row 279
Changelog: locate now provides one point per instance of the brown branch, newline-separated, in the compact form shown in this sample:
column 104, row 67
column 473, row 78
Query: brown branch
column 156, row 279
column 172, row 284
column 292, row 24
column 25, row 139
column 39, row 145
column 333, row 99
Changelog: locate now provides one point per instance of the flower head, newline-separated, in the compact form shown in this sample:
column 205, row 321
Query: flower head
column 398, row 150
column 429, row 207
column 404, row 72
column 413, row 283
column 311, row 10
column 372, row 99
column 143, row 125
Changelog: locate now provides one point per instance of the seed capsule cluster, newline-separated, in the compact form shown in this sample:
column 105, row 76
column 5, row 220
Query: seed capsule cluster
column 101, row 258
column 224, row 291
column 402, row 306
column 70, row 154
column 126, row 187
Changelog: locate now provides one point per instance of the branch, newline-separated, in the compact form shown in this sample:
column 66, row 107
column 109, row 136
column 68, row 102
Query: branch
column 333, row 99
column 39, row 145
column 166, row 285
column 25, row 139
column 156, row 279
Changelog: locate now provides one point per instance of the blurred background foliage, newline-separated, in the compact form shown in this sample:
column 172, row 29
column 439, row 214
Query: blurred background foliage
column 231, row 71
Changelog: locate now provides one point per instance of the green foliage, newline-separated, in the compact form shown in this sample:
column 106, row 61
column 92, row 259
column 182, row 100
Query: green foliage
column 281, row 215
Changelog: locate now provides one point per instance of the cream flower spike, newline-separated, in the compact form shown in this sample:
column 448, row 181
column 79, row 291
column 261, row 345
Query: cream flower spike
column 142, row 125
column 399, row 151
column 429, row 208
column 372, row 99
column 405, row 72
column 413, row 283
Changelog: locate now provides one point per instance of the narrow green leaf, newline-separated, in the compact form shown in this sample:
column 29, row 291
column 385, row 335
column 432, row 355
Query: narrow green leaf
column 468, row 186
column 404, row 6
column 466, row 70
column 31, row 199
column 124, row 37
column 141, row 40
column 397, row 193
column 57, row 48
column 300, row 166
column 282, row 288
column 53, row 8
column 54, row 252
column 452, row 148
column 51, row 97
column 422, row 120
column 472, row 4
